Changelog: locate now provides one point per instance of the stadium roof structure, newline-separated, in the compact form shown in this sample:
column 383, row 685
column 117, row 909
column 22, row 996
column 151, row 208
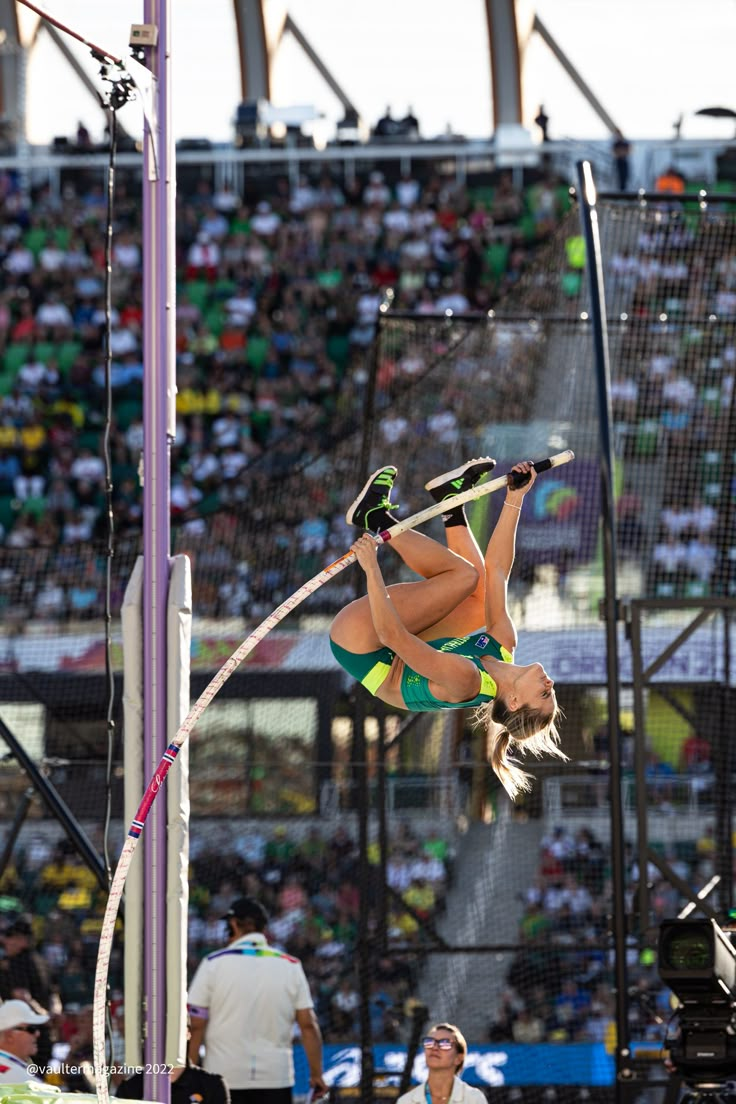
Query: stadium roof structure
column 260, row 27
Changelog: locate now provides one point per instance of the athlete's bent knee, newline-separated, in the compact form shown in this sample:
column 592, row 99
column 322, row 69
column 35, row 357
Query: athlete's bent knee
column 468, row 577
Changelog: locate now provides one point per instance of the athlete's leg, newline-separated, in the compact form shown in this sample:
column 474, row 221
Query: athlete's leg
column 419, row 605
column 371, row 510
column 468, row 615
column 448, row 578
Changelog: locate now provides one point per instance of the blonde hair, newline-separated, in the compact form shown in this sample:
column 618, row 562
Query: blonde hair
column 460, row 1045
column 526, row 729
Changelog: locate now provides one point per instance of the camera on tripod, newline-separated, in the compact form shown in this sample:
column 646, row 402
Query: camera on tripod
column 698, row 963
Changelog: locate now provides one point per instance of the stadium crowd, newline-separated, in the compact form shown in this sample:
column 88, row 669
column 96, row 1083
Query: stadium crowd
column 52, row 910
column 558, row 984
column 672, row 391
column 278, row 297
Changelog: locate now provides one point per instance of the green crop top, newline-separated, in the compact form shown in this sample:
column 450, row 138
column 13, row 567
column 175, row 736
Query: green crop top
column 415, row 688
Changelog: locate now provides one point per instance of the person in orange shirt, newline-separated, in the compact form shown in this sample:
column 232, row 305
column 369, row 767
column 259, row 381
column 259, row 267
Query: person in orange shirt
column 670, row 181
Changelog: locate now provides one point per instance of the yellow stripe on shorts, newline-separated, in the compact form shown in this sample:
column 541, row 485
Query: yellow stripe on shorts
column 487, row 685
column 376, row 676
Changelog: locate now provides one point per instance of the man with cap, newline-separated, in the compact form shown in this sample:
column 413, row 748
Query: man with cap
column 19, row 1028
column 243, row 1002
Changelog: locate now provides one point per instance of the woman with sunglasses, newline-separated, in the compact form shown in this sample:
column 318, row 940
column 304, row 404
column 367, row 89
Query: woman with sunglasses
column 445, row 1051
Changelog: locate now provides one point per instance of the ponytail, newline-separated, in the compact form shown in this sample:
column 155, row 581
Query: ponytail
column 511, row 776
column 528, row 730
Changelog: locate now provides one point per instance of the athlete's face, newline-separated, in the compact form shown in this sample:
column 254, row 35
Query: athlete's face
column 534, row 688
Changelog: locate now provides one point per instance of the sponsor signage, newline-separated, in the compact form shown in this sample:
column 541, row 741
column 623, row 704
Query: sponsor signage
column 486, row 1066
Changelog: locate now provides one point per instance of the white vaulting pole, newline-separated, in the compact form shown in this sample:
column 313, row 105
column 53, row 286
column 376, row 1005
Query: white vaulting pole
column 172, row 751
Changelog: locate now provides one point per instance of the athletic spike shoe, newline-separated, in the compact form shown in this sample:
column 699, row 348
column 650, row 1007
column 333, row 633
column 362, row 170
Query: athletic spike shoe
column 370, row 510
column 459, row 479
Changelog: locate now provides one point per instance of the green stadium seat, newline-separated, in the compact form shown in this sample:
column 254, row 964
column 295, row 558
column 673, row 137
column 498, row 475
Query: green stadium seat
column 528, row 226
column 67, row 353
column 214, row 319
column 126, row 411
column 8, row 511
column 35, row 239
column 329, row 278
column 198, row 292
column 483, row 193
column 256, row 351
column 497, row 259
column 571, row 284
column 209, row 504
column 89, row 438
column 33, row 505
column 61, row 236
column 15, row 355
column 647, row 438
column 46, row 351
column 224, row 287
column 338, row 350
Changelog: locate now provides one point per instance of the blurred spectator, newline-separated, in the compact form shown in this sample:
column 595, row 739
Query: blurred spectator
column 344, row 1007
column 621, row 150
column 23, row 972
column 671, row 181
column 695, row 757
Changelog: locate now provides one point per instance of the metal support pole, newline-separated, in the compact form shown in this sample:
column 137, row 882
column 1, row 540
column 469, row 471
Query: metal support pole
column 57, row 807
column 158, row 229
column 594, row 264
column 642, row 819
column 381, row 926
column 14, row 830
column 363, row 947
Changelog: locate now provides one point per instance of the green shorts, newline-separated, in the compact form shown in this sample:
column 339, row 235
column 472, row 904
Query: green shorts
column 369, row 668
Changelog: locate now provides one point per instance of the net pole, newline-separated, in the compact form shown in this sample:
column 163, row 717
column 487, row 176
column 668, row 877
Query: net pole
column 594, row 267
column 169, row 757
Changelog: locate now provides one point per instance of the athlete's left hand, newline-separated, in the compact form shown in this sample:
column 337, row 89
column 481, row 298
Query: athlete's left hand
column 366, row 551
column 524, row 466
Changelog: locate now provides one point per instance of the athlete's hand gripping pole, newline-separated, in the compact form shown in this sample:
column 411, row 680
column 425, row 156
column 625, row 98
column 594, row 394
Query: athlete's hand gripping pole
column 169, row 756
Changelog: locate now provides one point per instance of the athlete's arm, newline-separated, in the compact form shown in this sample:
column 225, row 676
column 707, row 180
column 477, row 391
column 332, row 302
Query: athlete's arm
column 457, row 678
column 499, row 560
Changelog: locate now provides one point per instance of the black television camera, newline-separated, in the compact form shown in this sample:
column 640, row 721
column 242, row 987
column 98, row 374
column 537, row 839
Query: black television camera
column 698, row 963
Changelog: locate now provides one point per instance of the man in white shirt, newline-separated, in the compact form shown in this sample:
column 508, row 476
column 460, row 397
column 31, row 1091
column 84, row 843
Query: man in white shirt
column 243, row 1002
column 19, row 1026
